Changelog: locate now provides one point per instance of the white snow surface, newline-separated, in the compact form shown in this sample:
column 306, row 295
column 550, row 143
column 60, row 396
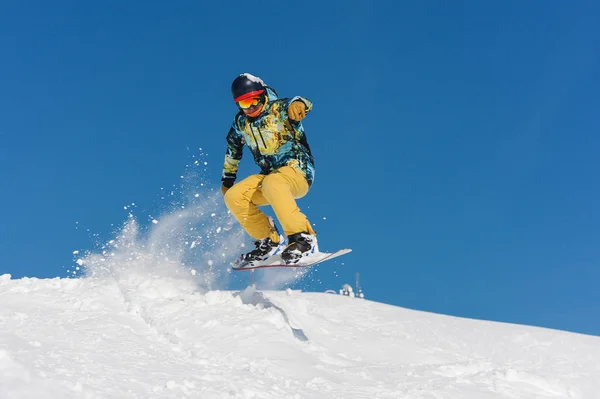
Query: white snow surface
column 149, row 315
column 140, row 335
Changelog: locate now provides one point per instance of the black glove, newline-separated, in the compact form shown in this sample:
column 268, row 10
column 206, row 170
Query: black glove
column 227, row 183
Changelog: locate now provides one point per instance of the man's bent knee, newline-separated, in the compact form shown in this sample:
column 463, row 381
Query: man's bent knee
column 273, row 183
column 234, row 195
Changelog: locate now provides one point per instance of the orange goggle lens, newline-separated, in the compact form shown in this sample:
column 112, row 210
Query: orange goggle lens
column 249, row 102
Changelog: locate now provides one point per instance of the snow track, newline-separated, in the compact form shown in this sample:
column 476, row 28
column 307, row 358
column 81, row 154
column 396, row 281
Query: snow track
column 145, row 337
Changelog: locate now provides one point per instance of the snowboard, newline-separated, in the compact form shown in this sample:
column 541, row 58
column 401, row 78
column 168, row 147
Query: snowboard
column 306, row 261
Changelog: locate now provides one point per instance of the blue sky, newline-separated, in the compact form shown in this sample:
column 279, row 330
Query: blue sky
column 456, row 144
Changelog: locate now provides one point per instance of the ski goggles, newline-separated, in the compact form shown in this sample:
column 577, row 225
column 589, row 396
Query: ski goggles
column 250, row 102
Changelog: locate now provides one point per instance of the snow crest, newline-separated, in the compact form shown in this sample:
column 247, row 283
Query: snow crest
column 99, row 337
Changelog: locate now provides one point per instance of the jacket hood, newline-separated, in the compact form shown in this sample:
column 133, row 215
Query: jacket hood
column 271, row 94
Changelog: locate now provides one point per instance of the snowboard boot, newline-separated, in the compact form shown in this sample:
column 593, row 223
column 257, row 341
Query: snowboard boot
column 265, row 248
column 300, row 244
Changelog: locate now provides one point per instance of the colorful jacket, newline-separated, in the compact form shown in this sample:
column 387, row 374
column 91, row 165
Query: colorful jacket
column 273, row 139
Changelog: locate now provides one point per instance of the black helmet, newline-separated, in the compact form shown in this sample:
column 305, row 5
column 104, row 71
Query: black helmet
column 247, row 85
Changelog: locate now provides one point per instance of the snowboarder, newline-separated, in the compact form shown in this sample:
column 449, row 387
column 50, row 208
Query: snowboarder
column 271, row 128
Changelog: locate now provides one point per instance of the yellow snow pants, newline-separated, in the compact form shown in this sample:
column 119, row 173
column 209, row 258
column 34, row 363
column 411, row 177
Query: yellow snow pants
column 280, row 189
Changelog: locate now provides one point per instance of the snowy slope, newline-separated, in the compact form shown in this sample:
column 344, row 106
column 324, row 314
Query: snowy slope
column 162, row 337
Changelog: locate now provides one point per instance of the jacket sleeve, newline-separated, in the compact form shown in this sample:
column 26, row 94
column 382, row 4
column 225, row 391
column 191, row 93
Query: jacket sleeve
column 295, row 127
column 233, row 154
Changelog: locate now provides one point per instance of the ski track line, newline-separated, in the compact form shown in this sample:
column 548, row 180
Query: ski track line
column 160, row 314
